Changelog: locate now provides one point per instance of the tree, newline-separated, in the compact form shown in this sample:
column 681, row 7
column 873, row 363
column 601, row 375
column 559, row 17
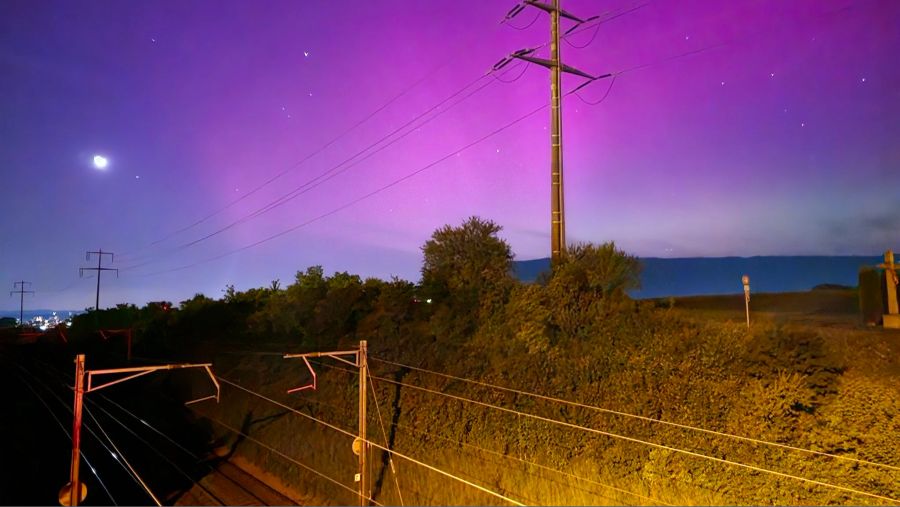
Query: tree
column 603, row 270
column 467, row 260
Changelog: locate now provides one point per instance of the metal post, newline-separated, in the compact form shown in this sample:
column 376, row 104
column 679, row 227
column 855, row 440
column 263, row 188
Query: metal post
column 99, row 260
column 363, row 437
column 557, row 213
column 74, row 480
column 746, row 281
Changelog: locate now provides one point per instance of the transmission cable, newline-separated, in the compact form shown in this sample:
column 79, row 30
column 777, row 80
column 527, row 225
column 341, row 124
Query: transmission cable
column 133, row 471
column 633, row 416
column 69, row 435
column 334, row 170
column 357, row 200
column 369, row 442
column 156, row 451
column 639, row 441
column 384, row 435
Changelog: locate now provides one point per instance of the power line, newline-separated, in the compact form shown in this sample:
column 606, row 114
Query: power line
column 384, row 435
column 445, row 62
column 639, row 441
column 608, row 89
column 373, row 444
column 69, row 435
column 634, row 416
column 122, row 455
column 496, row 453
column 357, row 200
column 347, row 164
column 282, row 455
column 156, row 451
column 530, row 463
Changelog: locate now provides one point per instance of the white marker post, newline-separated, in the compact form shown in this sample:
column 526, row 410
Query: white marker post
column 746, row 281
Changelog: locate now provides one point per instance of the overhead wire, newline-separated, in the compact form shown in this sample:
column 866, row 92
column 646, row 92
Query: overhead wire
column 281, row 454
column 155, row 451
column 369, row 442
column 605, row 95
column 357, row 200
column 125, row 459
column 633, row 416
column 510, row 24
column 315, row 152
column 341, row 167
column 642, row 442
column 588, row 43
column 384, row 435
column 69, row 435
column 497, row 453
column 84, row 424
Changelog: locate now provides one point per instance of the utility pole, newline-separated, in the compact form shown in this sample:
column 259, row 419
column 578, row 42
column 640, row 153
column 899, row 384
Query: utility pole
column 77, row 491
column 557, row 67
column 21, row 292
column 74, row 492
column 364, row 486
column 361, row 445
column 99, row 253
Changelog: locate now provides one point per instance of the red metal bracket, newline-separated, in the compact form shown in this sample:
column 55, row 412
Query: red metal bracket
column 307, row 386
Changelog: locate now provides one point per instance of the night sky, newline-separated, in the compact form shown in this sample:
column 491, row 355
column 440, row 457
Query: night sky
column 777, row 136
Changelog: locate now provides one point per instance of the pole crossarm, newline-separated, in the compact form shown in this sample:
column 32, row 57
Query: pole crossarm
column 548, row 8
column 139, row 371
column 334, row 355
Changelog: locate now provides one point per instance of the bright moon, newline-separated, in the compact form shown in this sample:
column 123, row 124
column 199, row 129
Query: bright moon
column 100, row 162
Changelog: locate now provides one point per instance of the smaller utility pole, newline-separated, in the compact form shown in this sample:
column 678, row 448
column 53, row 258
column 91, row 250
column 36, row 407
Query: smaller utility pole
column 361, row 444
column 21, row 292
column 75, row 487
column 99, row 253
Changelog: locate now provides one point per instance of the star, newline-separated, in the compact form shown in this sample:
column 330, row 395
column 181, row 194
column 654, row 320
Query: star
column 863, row 80
column 152, row 39
column 723, row 83
column 310, row 94
column 137, row 176
column 687, row 37
column 771, row 74
column 802, row 124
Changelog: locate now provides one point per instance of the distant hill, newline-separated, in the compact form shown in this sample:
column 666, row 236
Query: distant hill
column 693, row 276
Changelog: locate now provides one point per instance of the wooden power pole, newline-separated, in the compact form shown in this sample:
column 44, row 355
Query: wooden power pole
column 361, row 445
column 557, row 67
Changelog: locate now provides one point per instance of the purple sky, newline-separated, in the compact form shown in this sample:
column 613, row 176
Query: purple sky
column 781, row 141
